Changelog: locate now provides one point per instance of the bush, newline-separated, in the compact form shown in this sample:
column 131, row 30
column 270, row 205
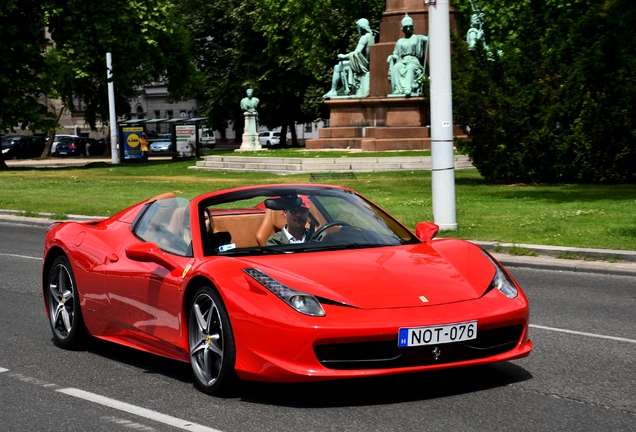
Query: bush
column 557, row 106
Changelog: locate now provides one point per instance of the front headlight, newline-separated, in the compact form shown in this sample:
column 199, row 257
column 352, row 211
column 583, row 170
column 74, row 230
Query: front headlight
column 502, row 281
column 302, row 302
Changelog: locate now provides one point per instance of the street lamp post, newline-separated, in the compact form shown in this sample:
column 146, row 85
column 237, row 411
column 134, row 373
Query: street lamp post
column 111, row 106
column 443, row 158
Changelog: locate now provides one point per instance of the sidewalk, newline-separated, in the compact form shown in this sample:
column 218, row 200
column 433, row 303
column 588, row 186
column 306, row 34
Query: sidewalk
column 625, row 265
column 60, row 162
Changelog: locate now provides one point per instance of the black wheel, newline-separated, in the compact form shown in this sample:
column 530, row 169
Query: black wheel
column 317, row 235
column 62, row 300
column 269, row 144
column 211, row 343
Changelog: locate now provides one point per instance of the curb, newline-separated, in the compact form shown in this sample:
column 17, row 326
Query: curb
column 547, row 258
column 545, row 261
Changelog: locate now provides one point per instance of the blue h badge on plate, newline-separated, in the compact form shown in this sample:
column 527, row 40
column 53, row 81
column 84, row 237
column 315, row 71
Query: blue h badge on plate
column 403, row 337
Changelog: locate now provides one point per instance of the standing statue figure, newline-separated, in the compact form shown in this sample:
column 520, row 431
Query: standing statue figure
column 476, row 35
column 406, row 64
column 249, row 103
column 476, row 32
column 352, row 72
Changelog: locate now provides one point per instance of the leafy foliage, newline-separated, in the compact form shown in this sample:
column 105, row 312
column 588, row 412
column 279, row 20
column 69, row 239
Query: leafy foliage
column 146, row 42
column 284, row 50
column 557, row 105
column 23, row 81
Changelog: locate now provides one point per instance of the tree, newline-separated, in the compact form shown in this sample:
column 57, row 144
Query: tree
column 146, row 42
column 556, row 106
column 285, row 50
column 24, row 84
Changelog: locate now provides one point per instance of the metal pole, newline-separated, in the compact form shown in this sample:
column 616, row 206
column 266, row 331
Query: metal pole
column 111, row 104
column 443, row 160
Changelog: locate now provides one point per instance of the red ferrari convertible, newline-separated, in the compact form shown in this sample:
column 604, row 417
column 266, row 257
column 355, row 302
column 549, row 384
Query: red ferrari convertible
column 281, row 283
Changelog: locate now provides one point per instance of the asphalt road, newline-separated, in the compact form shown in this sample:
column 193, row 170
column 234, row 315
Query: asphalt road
column 571, row 381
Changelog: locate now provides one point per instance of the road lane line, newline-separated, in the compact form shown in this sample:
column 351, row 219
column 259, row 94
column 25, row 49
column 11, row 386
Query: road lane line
column 583, row 333
column 21, row 256
column 3, row 370
column 133, row 409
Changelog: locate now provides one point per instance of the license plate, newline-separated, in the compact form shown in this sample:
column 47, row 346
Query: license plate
column 62, row 152
column 435, row 335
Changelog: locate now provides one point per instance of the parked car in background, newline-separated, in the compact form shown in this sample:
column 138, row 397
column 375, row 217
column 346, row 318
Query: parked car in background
column 57, row 140
column 160, row 146
column 207, row 138
column 22, row 147
column 78, row 146
column 269, row 138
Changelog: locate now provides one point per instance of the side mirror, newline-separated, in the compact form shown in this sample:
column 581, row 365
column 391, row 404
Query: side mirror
column 426, row 231
column 150, row 252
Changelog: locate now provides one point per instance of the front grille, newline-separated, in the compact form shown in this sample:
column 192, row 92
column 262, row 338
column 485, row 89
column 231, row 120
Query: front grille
column 387, row 354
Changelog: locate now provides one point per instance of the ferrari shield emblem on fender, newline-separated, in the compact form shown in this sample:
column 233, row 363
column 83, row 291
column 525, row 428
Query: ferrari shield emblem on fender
column 424, row 299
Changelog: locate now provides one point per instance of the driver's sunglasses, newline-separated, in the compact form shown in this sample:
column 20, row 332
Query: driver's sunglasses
column 298, row 210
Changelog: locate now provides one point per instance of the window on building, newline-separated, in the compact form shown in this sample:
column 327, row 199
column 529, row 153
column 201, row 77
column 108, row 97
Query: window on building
column 169, row 114
column 307, row 127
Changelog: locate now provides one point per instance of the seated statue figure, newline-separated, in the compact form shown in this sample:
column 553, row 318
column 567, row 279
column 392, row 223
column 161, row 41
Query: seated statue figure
column 351, row 74
column 406, row 64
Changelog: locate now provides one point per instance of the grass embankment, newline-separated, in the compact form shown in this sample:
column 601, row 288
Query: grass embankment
column 569, row 215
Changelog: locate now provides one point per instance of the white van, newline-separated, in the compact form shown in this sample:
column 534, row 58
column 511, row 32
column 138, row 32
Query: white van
column 207, row 138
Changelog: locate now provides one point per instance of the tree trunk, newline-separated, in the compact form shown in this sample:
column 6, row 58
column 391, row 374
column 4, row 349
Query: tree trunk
column 3, row 165
column 46, row 153
column 283, row 136
column 294, row 135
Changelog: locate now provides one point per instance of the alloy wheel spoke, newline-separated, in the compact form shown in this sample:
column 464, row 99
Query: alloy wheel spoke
column 201, row 321
column 66, row 319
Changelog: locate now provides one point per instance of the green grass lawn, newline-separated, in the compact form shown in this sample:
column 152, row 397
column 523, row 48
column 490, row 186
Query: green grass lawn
column 568, row 215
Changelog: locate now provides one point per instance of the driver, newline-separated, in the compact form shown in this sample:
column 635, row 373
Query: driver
column 295, row 230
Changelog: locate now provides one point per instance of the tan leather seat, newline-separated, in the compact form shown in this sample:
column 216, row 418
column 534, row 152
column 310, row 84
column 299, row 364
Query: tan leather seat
column 273, row 222
column 177, row 221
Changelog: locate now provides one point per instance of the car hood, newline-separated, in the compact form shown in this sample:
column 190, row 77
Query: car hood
column 385, row 277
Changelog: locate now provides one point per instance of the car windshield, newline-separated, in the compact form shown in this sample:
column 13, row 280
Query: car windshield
column 251, row 223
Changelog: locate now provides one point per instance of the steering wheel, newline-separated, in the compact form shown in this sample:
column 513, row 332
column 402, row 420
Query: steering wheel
column 325, row 227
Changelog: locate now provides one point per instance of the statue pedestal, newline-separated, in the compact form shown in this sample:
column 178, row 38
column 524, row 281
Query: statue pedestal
column 250, row 136
column 375, row 124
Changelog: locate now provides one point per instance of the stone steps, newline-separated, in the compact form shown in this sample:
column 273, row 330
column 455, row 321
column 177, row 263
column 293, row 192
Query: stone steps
column 320, row 165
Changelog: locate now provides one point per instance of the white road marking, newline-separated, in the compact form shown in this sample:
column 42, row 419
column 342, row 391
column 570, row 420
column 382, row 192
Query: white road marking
column 133, row 409
column 121, row 406
column 583, row 333
column 22, row 256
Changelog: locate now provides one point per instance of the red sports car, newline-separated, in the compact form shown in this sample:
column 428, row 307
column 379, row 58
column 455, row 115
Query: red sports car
column 281, row 283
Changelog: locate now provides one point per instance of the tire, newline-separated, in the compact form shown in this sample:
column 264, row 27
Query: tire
column 63, row 305
column 211, row 343
column 269, row 144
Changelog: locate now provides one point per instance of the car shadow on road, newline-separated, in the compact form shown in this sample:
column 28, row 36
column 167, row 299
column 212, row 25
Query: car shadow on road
column 387, row 389
column 341, row 393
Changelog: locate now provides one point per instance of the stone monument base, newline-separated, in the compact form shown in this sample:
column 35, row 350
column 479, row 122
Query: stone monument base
column 250, row 137
column 375, row 124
